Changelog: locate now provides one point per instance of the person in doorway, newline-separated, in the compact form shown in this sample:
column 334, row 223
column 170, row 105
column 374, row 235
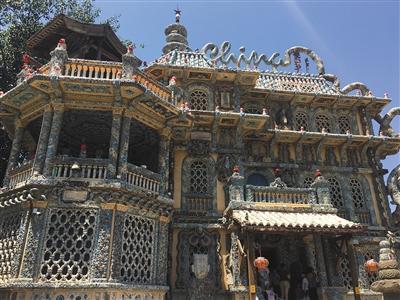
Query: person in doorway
column 305, row 287
column 313, row 284
column 284, row 281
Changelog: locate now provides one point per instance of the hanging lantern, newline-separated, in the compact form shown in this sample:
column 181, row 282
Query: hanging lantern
column 371, row 266
column 261, row 263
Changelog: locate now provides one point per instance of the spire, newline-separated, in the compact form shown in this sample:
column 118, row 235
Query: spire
column 176, row 35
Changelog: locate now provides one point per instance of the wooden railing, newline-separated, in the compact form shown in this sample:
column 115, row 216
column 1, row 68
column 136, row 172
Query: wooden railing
column 86, row 168
column 280, row 195
column 92, row 69
column 143, row 178
column 199, row 203
column 21, row 174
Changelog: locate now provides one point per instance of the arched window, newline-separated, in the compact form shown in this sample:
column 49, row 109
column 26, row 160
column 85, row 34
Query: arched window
column 198, row 100
column 336, row 193
column 198, row 178
column 257, row 180
column 301, row 121
column 307, row 182
column 322, row 122
column 360, row 206
column 344, row 124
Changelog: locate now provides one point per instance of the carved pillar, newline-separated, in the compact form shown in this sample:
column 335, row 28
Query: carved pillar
column 310, row 251
column 163, row 159
column 236, row 188
column 124, row 147
column 163, row 243
column 53, row 137
column 235, row 259
column 41, row 148
column 321, row 267
column 114, row 142
column 15, row 150
column 353, row 269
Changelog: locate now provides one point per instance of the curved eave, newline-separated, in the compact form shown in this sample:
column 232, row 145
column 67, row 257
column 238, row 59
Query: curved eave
column 29, row 97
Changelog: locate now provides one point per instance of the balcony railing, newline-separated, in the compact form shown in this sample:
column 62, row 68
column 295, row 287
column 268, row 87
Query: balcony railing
column 281, row 195
column 195, row 203
column 86, row 168
column 363, row 217
column 21, row 174
column 92, row 69
column 143, row 178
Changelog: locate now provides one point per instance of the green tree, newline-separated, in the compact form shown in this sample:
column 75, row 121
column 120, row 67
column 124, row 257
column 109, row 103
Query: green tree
column 19, row 20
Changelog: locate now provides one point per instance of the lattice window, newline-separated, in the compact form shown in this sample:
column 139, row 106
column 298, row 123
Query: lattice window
column 301, row 121
column 335, row 193
column 322, row 122
column 357, row 194
column 137, row 258
column 9, row 227
column 345, row 273
column 252, row 108
column 308, row 181
column 68, row 245
column 344, row 124
column 198, row 100
column 198, row 178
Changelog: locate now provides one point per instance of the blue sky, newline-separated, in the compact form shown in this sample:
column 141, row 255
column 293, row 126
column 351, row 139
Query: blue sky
column 357, row 40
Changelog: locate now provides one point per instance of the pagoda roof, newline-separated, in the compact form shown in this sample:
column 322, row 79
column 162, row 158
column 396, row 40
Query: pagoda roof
column 75, row 33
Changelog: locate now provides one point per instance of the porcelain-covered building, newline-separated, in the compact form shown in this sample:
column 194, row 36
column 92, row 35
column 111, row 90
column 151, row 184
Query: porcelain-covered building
column 167, row 181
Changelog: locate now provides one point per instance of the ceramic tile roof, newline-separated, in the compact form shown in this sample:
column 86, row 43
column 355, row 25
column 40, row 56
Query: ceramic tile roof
column 294, row 82
column 293, row 220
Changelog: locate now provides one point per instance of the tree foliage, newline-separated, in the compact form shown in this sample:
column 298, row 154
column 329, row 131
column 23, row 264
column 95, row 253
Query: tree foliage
column 19, row 20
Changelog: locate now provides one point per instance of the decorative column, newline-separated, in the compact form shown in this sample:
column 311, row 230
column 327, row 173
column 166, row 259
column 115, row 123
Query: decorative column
column 41, row 147
column 114, row 142
column 353, row 268
column 236, row 255
column 322, row 187
column 15, row 150
column 310, row 251
column 124, row 147
column 53, row 137
column 163, row 159
column 321, row 267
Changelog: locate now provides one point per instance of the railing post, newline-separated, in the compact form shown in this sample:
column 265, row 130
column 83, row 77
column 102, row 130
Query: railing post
column 163, row 159
column 15, row 150
column 114, row 142
column 236, row 187
column 321, row 185
column 58, row 58
column 53, row 137
column 41, row 148
column 130, row 63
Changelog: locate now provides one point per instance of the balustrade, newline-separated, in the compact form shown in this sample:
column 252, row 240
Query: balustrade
column 278, row 195
column 363, row 217
column 199, row 203
column 21, row 174
column 85, row 168
column 92, row 69
column 143, row 178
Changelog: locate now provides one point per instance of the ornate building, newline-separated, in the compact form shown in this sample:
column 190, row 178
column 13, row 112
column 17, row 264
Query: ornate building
column 168, row 181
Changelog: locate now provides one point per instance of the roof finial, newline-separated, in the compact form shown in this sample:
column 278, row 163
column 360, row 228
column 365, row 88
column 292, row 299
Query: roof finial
column 178, row 14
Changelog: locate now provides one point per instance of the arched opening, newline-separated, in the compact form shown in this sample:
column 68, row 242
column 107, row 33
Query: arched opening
column 257, row 180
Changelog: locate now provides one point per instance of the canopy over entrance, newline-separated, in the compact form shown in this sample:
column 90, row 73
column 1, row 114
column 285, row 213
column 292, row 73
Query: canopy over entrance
column 304, row 218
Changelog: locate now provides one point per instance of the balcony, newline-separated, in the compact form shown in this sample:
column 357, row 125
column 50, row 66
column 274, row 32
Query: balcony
column 88, row 169
column 199, row 204
column 21, row 174
column 279, row 195
column 144, row 179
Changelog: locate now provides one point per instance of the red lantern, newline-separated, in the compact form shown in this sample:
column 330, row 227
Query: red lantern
column 261, row 263
column 371, row 266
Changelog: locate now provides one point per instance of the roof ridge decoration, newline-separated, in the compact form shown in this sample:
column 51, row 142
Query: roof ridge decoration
column 221, row 55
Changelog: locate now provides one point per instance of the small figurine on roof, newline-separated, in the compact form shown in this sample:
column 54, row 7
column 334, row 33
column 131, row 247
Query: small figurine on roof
column 178, row 14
